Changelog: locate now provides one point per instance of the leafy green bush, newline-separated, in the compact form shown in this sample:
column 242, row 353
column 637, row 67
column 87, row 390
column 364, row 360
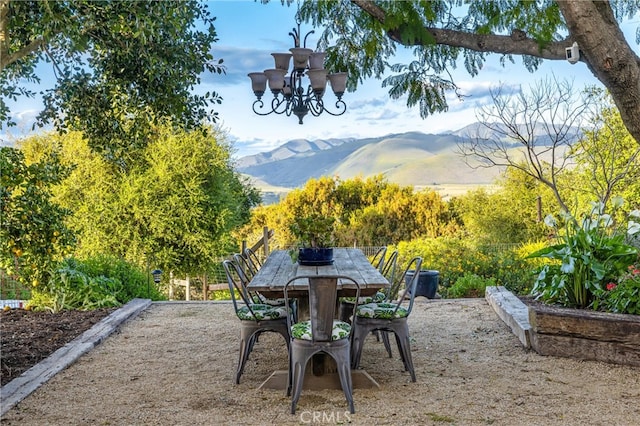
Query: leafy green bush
column 97, row 282
column 454, row 257
column 622, row 297
column 591, row 251
column 135, row 282
column 470, row 285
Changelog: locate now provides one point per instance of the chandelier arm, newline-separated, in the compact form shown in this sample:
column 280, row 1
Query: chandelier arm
column 340, row 104
column 276, row 103
column 316, row 106
column 258, row 103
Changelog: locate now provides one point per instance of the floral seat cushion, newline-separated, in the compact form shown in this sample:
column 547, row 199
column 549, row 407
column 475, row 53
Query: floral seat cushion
column 378, row 297
column 302, row 330
column 261, row 299
column 262, row 312
column 381, row 311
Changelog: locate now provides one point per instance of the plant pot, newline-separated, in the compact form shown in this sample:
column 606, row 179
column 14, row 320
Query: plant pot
column 315, row 256
column 427, row 283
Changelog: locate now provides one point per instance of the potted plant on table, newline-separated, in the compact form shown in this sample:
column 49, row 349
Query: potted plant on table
column 314, row 234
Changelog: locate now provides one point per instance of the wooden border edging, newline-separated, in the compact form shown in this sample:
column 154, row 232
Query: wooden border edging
column 512, row 311
column 23, row 385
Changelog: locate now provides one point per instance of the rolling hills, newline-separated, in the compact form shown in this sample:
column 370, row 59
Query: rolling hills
column 408, row 159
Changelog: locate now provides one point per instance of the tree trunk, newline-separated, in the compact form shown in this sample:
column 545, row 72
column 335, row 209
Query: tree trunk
column 608, row 55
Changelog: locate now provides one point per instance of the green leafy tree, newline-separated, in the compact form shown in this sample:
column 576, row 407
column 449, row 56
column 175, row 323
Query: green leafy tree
column 443, row 33
column 178, row 209
column 608, row 160
column 512, row 213
column 33, row 234
column 367, row 212
column 120, row 66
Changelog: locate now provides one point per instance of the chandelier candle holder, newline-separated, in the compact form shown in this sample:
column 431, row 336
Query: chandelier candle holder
column 289, row 94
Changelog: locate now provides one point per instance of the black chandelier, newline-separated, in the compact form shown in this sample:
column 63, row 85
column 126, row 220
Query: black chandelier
column 289, row 96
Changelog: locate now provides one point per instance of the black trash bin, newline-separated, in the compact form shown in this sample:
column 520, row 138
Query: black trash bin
column 427, row 283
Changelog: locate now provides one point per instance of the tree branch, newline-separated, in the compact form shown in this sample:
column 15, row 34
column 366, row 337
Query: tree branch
column 7, row 58
column 515, row 44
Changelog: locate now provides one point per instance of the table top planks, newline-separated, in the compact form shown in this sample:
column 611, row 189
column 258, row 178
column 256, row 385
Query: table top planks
column 279, row 268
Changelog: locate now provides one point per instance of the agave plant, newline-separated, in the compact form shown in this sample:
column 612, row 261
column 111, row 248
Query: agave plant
column 591, row 252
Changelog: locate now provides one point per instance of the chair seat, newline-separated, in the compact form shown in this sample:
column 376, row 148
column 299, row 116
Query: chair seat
column 378, row 297
column 381, row 311
column 260, row 299
column 302, row 330
column 262, row 312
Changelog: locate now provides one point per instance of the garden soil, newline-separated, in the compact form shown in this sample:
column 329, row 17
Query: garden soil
column 174, row 364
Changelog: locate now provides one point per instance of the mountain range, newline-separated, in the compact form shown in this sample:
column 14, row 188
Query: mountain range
column 412, row 158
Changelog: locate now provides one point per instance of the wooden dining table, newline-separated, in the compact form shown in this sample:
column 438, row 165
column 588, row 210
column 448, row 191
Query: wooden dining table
column 279, row 268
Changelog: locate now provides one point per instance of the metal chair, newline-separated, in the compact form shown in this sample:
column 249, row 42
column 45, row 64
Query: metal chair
column 248, row 269
column 388, row 316
column 255, row 318
column 378, row 258
column 252, row 258
column 320, row 334
column 388, row 270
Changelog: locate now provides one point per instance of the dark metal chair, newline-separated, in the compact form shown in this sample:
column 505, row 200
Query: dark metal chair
column 255, row 318
column 253, row 258
column 320, row 334
column 387, row 267
column 379, row 258
column 388, row 316
column 248, row 269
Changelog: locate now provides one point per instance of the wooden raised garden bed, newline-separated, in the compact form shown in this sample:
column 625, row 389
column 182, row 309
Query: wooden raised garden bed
column 584, row 334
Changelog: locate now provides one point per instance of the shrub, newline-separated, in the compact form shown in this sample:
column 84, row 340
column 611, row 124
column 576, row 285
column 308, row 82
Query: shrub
column 622, row 297
column 454, row 257
column 97, row 282
column 470, row 285
column 591, row 251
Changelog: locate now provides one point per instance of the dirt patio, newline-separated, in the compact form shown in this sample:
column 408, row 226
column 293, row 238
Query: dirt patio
column 174, row 365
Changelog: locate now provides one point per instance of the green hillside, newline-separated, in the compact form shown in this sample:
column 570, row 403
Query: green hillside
column 411, row 159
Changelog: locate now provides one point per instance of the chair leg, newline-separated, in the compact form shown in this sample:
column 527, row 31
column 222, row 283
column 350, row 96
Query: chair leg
column 404, row 346
column 296, row 378
column 357, row 342
column 246, row 344
column 400, row 351
column 385, row 340
column 344, row 372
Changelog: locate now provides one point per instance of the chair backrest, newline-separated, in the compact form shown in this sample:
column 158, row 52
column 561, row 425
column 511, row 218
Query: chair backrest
column 413, row 267
column 246, row 267
column 253, row 258
column 237, row 285
column 322, row 301
column 389, row 268
column 378, row 258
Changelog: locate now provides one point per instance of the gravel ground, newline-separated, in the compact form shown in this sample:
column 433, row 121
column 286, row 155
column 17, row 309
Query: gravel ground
column 174, row 365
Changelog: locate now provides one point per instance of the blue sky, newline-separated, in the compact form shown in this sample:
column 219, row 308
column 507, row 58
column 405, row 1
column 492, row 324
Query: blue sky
column 249, row 32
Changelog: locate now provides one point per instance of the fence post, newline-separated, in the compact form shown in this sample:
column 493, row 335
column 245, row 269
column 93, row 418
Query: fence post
column 205, row 287
column 171, row 285
column 539, row 208
column 187, row 296
column 265, row 241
